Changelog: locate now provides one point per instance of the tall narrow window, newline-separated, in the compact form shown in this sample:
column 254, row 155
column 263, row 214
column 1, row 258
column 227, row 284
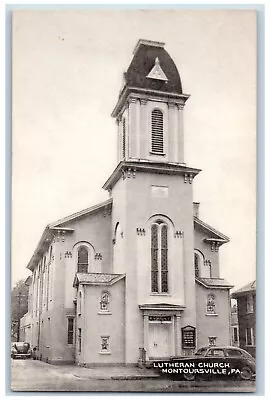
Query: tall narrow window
column 249, row 303
column 124, row 138
column 104, row 301
column 154, row 258
column 211, row 304
column 80, row 303
column 249, row 337
column 164, row 259
column 50, row 254
column 196, row 265
column 48, row 287
column 159, row 258
column 157, row 145
column 79, row 340
column 70, row 330
column 82, row 259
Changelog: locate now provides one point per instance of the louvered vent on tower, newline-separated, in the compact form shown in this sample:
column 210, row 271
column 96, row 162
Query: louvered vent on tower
column 157, row 132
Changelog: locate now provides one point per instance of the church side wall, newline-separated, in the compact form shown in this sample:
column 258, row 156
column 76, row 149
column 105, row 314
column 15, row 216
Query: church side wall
column 97, row 324
column 213, row 325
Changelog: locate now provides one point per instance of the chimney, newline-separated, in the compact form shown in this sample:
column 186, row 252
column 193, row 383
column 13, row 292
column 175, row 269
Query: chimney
column 196, row 207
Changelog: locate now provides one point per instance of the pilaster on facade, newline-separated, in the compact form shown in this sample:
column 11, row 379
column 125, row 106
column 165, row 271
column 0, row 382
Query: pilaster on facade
column 177, row 322
column 146, row 336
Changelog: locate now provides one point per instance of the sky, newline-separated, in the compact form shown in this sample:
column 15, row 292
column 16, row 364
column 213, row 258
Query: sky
column 67, row 69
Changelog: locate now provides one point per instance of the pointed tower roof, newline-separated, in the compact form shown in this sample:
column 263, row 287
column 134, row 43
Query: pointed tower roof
column 149, row 56
column 151, row 71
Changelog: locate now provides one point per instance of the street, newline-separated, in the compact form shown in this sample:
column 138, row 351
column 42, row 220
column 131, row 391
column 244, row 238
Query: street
column 37, row 376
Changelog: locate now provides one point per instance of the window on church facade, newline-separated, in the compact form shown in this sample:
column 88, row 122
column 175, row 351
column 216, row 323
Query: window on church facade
column 157, row 139
column 82, row 265
column 124, row 139
column 105, row 344
column 70, row 330
column 211, row 304
column 212, row 340
column 50, row 254
column 197, row 265
column 79, row 340
column 159, row 257
column 80, row 303
column 104, row 301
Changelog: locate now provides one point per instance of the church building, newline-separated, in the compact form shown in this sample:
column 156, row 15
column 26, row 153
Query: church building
column 135, row 278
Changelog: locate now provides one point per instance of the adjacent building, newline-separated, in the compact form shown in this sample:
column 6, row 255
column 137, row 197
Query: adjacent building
column 234, row 326
column 246, row 305
column 135, row 278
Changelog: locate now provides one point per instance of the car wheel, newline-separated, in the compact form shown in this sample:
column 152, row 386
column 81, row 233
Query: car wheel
column 189, row 376
column 246, row 373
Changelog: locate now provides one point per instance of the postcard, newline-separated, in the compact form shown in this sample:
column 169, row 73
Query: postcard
column 133, row 200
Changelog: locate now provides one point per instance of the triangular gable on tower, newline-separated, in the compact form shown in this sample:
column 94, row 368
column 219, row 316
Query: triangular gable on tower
column 157, row 72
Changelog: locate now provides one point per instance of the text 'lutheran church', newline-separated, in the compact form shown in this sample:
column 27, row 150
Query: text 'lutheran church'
column 135, row 278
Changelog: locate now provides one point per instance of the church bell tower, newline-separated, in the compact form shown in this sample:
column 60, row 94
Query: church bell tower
column 152, row 213
column 149, row 111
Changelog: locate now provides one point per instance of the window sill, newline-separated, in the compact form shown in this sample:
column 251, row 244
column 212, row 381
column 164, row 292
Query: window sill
column 160, row 294
column 152, row 153
column 211, row 315
column 105, row 352
column 250, row 345
column 104, row 313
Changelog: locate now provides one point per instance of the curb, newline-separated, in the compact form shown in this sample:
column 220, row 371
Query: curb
column 118, row 378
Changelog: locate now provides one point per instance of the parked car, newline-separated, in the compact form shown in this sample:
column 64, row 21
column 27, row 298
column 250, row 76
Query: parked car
column 21, row 350
column 211, row 362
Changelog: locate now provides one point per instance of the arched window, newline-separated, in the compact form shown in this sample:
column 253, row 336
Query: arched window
column 159, row 257
column 124, row 139
column 82, row 265
column 197, row 265
column 157, row 145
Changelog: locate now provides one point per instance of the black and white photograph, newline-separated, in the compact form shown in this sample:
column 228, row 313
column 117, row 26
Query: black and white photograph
column 133, row 234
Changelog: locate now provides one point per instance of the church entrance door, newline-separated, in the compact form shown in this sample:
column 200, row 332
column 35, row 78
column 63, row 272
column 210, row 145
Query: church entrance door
column 159, row 335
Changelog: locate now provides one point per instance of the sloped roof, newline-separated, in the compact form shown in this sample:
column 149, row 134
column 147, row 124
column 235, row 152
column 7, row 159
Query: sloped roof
column 50, row 229
column 214, row 283
column 139, row 79
column 214, row 234
column 143, row 61
column 80, row 214
column 96, row 278
column 250, row 287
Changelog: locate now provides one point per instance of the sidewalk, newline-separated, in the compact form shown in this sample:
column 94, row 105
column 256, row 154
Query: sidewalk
column 117, row 373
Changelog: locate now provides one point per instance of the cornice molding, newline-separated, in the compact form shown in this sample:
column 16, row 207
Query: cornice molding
column 148, row 94
column 130, row 168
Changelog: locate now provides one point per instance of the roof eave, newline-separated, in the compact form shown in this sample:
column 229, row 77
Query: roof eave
column 146, row 166
column 222, row 238
column 225, row 286
column 79, row 214
column 141, row 93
